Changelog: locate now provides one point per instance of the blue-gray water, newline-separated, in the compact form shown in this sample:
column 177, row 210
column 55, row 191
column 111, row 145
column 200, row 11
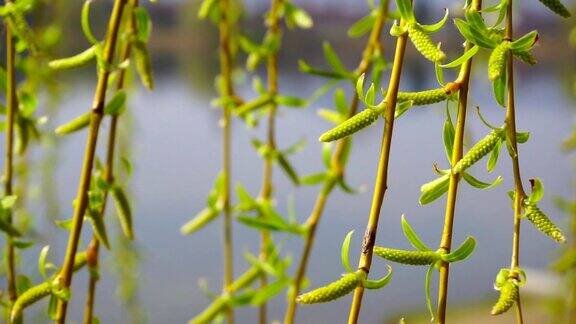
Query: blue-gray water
column 176, row 153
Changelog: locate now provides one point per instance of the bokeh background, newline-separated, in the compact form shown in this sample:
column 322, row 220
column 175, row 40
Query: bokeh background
column 174, row 142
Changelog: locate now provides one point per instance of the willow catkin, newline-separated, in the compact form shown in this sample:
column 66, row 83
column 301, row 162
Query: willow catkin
column 478, row 151
column 74, row 125
column 543, row 223
column 29, row 297
column 202, row 219
column 334, row 290
column 497, row 60
column 351, row 125
column 557, row 7
column 426, row 97
column 75, row 61
column 123, row 211
column 424, row 43
column 508, row 296
column 407, row 257
column 143, row 64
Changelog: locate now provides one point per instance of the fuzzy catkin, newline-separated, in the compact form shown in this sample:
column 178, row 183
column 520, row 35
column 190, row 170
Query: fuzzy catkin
column 478, row 151
column 143, row 64
column 508, row 296
column 497, row 60
column 29, row 297
column 75, row 61
column 543, row 223
column 424, row 43
column 557, row 7
column 426, row 97
column 334, row 290
column 351, row 125
column 407, row 257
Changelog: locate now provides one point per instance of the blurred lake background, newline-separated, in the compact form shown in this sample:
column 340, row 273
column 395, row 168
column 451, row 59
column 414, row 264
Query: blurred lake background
column 175, row 146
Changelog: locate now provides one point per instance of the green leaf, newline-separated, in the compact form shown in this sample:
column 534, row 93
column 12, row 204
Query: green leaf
column 117, row 104
column 123, row 211
column 377, row 284
column 537, row 190
column 313, row 179
column 434, row 189
column 23, row 283
column 65, row 224
column 20, row 244
column 206, row 8
column 306, row 68
column 405, row 9
column 263, row 266
column 473, row 35
column 331, row 116
column 480, row 184
column 75, row 61
column 269, row 291
column 439, row 73
column 290, row 101
column 246, row 201
column 42, row 261
column 522, row 137
column 525, row 43
column 463, row 58
column 203, row 218
column 370, row 95
column 448, row 136
column 437, row 26
column 143, row 23
column 345, row 252
column 333, row 59
column 427, row 291
column 412, row 237
column 402, row 107
column 462, row 252
column 297, row 16
column 363, row 26
column 360, row 86
column 8, row 228
column 491, row 163
column 74, row 125
column 499, row 87
column 287, row 168
column 86, row 23
column 98, row 226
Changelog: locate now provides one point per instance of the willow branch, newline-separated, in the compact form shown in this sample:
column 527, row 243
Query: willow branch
column 381, row 183
column 511, row 129
column 336, row 170
column 446, row 241
column 93, row 250
column 97, row 112
column 11, row 110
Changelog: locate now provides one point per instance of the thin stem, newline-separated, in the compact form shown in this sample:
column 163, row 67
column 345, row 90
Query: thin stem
column 457, row 152
column 381, row 183
column 226, row 63
column 274, row 30
column 336, row 170
column 11, row 110
column 94, row 246
column 89, row 154
column 514, row 155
